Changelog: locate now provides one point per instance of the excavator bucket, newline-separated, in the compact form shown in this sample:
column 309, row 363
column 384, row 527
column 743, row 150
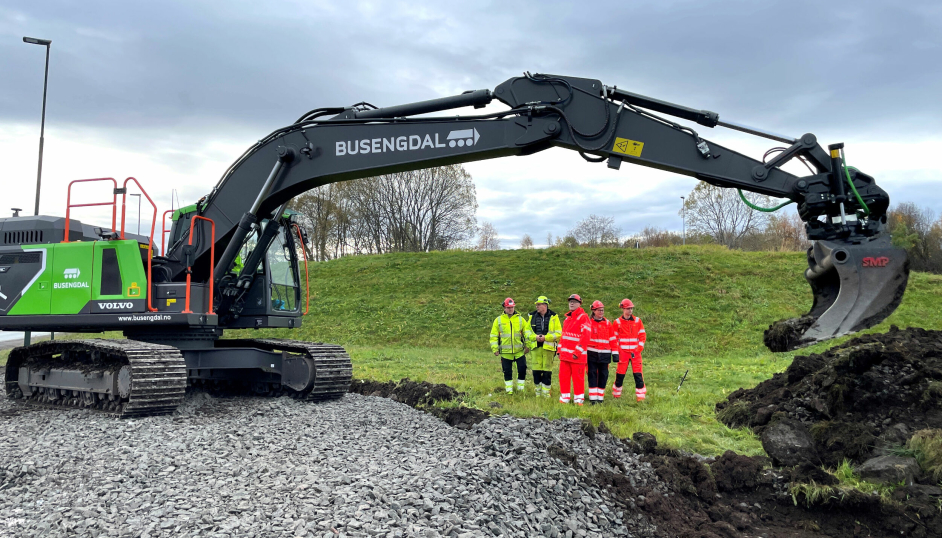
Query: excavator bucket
column 855, row 286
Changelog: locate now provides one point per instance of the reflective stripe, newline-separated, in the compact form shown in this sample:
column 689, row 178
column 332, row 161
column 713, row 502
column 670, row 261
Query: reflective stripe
column 598, row 340
column 506, row 335
column 579, row 349
column 573, row 338
column 641, row 344
column 641, row 331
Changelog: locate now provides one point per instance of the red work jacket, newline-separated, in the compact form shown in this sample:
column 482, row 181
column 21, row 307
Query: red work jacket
column 630, row 336
column 575, row 339
column 601, row 341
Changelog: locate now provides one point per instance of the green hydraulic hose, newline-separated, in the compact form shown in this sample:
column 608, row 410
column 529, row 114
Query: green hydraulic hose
column 762, row 209
column 860, row 201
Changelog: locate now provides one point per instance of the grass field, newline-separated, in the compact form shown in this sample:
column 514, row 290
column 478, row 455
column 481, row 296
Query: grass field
column 428, row 317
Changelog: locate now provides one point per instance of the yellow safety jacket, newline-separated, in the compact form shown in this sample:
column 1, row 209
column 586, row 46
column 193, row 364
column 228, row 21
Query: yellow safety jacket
column 511, row 336
column 550, row 324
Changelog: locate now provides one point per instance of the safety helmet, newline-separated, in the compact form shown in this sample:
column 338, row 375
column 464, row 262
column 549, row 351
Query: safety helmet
column 575, row 297
column 509, row 302
column 542, row 299
column 597, row 304
column 626, row 303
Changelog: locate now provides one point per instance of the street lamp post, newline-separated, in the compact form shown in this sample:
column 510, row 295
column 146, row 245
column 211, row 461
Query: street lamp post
column 138, row 212
column 683, row 212
column 42, row 129
column 42, row 132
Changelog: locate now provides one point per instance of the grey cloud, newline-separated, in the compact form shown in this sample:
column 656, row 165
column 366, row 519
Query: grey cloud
column 791, row 66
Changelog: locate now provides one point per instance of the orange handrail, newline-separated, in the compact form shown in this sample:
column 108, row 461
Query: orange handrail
column 212, row 263
column 69, row 205
column 150, row 244
column 307, row 279
column 164, row 231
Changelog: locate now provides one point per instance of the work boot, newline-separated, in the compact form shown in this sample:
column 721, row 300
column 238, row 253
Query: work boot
column 521, row 385
column 616, row 392
column 538, row 390
column 641, row 393
column 509, row 387
column 546, row 391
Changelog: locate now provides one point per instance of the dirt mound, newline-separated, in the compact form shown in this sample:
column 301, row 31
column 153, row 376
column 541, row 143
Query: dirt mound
column 737, row 496
column 865, row 396
column 423, row 396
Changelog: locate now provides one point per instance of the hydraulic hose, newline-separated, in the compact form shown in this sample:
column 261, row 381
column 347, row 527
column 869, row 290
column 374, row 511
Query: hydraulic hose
column 762, row 209
column 860, row 201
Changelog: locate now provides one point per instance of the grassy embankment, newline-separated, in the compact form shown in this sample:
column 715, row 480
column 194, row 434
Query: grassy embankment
column 428, row 317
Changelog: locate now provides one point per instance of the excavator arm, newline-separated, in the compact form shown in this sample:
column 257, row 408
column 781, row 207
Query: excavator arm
column 857, row 277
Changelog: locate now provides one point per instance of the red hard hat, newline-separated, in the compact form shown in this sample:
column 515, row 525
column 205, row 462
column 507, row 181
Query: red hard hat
column 626, row 303
column 509, row 302
column 597, row 304
column 575, row 297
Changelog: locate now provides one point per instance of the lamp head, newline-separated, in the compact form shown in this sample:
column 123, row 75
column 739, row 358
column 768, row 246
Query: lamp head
column 37, row 41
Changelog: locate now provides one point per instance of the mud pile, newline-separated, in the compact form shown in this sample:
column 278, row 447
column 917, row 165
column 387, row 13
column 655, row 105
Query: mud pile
column 863, row 398
column 423, row 396
column 734, row 496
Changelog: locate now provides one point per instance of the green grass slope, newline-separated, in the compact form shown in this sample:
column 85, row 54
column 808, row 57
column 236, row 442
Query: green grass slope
column 428, row 317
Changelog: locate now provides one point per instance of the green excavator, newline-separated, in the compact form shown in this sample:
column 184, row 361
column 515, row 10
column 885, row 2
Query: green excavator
column 233, row 259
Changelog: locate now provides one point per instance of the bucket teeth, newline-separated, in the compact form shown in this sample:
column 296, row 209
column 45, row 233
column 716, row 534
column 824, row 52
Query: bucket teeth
column 855, row 286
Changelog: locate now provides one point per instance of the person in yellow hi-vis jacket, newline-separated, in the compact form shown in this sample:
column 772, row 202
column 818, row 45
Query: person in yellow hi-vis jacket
column 511, row 340
column 546, row 326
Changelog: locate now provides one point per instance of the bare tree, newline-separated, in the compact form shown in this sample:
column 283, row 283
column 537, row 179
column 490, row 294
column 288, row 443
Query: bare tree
column 487, row 237
column 526, row 242
column 414, row 211
column 652, row 236
column 914, row 229
column 596, row 231
column 786, row 232
column 549, row 239
column 721, row 214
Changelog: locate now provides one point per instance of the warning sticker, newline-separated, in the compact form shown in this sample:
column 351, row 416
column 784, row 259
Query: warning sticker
column 628, row 147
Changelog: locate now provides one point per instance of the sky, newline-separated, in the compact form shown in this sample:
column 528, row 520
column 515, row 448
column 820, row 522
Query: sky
column 173, row 92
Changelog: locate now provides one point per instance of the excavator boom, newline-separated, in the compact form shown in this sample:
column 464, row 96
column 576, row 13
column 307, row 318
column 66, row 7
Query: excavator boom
column 602, row 123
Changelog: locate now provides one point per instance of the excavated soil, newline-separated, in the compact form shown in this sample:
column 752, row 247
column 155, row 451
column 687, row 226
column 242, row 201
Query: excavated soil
column 865, row 396
column 423, row 396
column 730, row 496
column 738, row 496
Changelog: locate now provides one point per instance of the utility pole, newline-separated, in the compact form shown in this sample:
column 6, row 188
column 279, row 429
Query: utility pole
column 683, row 212
column 42, row 132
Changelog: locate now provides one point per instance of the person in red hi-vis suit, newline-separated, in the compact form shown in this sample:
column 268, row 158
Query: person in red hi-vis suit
column 629, row 332
column 572, row 352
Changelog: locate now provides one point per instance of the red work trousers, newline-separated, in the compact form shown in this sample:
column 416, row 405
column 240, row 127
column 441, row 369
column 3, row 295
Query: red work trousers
column 625, row 359
column 575, row 372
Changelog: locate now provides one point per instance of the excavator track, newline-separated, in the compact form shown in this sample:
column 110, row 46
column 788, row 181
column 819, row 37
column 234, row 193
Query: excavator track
column 332, row 367
column 152, row 375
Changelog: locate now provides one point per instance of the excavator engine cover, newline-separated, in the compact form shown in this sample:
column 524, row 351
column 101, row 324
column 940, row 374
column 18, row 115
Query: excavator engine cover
column 855, row 286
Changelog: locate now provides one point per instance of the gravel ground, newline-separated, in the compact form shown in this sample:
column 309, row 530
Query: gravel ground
column 360, row 466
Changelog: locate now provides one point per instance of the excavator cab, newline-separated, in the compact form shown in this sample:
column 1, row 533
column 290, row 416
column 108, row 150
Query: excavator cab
column 274, row 296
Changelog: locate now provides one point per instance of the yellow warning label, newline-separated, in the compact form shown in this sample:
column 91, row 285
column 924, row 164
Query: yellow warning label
column 134, row 290
column 628, row 147
column 171, row 301
column 835, row 154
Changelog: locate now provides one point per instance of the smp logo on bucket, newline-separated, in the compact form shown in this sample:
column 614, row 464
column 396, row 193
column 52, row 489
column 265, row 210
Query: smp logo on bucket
column 875, row 262
column 459, row 138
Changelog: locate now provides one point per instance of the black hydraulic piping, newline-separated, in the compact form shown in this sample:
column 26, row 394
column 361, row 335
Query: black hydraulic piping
column 250, row 217
column 475, row 98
